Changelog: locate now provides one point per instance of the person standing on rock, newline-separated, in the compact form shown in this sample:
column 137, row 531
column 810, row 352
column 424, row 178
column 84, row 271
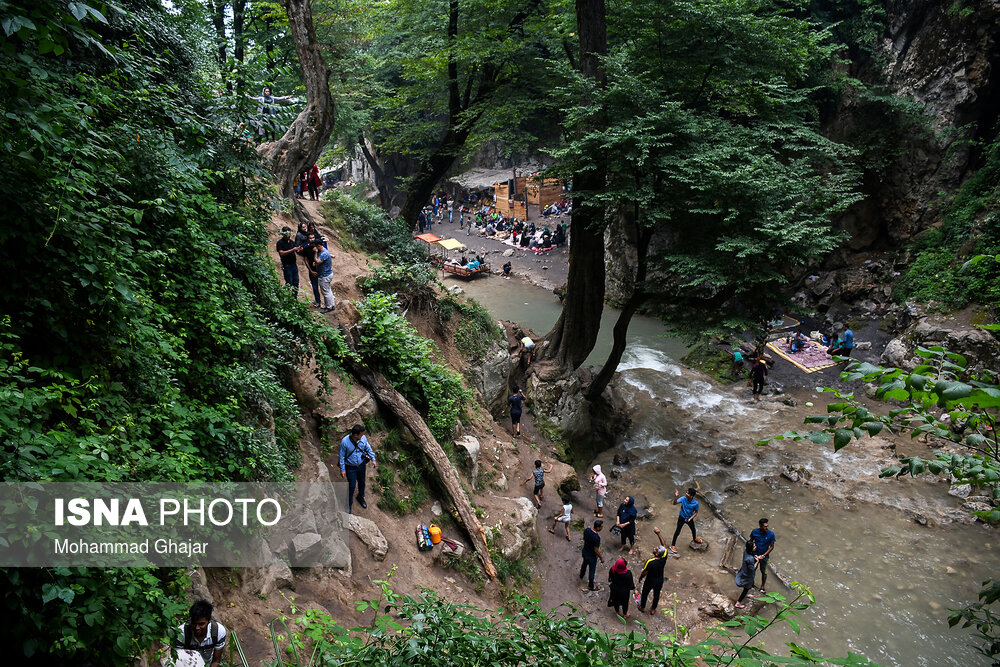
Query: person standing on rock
column 758, row 376
column 747, row 571
column 689, row 510
column 621, row 584
column 516, row 401
column 764, row 539
column 600, row 490
column 625, row 520
column 355, row 454
column 591, row 553
column 565, row 517
column 652, row 572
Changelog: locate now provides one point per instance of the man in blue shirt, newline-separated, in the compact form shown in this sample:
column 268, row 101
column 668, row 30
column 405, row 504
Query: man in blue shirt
column 324, row 267
column 689, row 510
column 355, row 452
column 764, row 539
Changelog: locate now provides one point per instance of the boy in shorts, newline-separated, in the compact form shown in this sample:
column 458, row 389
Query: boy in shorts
column 539, row 474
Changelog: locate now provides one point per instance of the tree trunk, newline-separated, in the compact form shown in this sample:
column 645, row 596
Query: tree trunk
column 218, row 8
column 575, row 332
column 239, row 41
column 411, row 419
column 636, row 299
column 304, row 141
column 434, row 168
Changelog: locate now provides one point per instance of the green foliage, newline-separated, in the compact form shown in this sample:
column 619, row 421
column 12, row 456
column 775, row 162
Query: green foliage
column 146, row 336
column 412, row 284
column 413, row 468
column 940, row 271
column 477, row 332
column 391, row 344
column 373, row 229
column 428, row 630
column 710, row 102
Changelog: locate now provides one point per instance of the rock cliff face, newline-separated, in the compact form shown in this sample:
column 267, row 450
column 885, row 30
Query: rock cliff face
column 942, row 57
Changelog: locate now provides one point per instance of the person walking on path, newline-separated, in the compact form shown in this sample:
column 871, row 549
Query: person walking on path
column 600, row 490
column 652, row 572
column 355, row 454
column 539, row 474
column 689, row 510
column 202, row 635
column 313, row 182
column 565, row 517
column 764, row 539
column 516, row 401
column 758, row 376
column 288, row 251
column 591, row 553
column 324, row 272
column 621, row 584
column 747, row 571
column 625, row 520
column 309, row 255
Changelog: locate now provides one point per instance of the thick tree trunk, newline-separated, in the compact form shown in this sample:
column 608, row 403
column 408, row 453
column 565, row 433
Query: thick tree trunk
column 239, row 41
column 218, row 8
column 411, row 419
column 631, row 307
column 433, row 170
column 304, row 141
column 575, row 332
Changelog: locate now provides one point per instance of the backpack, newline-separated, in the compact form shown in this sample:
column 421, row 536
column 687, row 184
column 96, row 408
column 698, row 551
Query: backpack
column 189, row 640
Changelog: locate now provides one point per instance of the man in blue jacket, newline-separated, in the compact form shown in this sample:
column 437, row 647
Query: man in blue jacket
column 355, row 453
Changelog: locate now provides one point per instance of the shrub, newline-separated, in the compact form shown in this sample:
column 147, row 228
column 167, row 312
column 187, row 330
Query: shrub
column 373, row 229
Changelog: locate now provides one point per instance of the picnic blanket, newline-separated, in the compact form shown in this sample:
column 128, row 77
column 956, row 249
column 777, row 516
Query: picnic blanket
column 811, row 358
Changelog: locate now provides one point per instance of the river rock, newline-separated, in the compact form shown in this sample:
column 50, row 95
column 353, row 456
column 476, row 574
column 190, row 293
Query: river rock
column 960, row 490
column 469, row 446
column 699, row 546
column 727, row 456
column 436, row 508
column 621, row 459
column 986, row 500
column 789, row 401
column 615, row 473
column 508, row 253
column 976, row 507
column 734, row 489
column 369, row 533
column 717, row 606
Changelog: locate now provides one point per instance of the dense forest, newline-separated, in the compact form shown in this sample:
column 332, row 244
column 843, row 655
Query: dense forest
column 145, row 335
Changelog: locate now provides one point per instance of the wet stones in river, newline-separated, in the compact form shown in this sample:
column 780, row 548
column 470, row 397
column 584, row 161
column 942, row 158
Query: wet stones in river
column 726, row 457
column 621, row 459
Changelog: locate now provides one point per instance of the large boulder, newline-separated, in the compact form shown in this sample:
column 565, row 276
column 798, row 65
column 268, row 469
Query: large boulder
column 369, row 533
column 563, row 478
column 489, row 377
column 469, row 447
column 979, row 348
column 519, row 533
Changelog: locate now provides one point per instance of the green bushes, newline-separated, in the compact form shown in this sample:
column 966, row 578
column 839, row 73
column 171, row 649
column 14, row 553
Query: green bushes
column 971, row 227
column 477, row 332
column 391, row 344
column 373, row 229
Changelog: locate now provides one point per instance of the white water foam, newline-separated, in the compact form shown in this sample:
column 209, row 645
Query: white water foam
column 638, row 356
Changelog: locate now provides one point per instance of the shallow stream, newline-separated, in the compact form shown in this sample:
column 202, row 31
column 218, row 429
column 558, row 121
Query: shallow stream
column 883, row 582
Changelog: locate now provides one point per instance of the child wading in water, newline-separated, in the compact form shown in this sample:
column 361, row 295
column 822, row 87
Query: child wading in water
column 539, row 474
column 564, row 518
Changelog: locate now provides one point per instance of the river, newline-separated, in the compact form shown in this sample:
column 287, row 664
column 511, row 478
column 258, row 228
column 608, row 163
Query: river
column 883, row 582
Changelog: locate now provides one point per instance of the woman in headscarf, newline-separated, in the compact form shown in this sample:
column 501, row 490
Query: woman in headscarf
column 747, row 573
column 625, row 521
column 600, row 489
column 622, row 585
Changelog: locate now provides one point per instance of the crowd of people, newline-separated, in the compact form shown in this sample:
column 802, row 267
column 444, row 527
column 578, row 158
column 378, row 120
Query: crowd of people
column 485, row 219
column 652, row 576
column 311, row 247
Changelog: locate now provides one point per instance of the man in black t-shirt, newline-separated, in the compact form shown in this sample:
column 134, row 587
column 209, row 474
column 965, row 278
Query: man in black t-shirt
column 287, row 250
column 652, row 571
column 591, row 552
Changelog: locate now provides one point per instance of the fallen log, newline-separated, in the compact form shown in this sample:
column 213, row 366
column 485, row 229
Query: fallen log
column 404, row 411
column 727, row 554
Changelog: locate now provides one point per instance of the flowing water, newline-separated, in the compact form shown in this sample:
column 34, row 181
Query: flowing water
column 883, row 582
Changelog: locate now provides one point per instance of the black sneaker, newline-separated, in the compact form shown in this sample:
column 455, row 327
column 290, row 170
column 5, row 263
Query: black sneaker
column 364, row 505
column 327, row 310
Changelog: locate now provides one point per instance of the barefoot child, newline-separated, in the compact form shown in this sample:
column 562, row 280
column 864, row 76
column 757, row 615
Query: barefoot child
column 564, row 518
column 539, row 474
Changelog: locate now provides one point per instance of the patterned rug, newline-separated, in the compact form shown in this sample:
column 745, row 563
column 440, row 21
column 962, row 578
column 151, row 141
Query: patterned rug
column 811, row 358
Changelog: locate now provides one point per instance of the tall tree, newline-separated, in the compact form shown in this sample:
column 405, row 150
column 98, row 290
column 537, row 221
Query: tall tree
column 575, row 332
column 714, row 156
column 301, row 145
